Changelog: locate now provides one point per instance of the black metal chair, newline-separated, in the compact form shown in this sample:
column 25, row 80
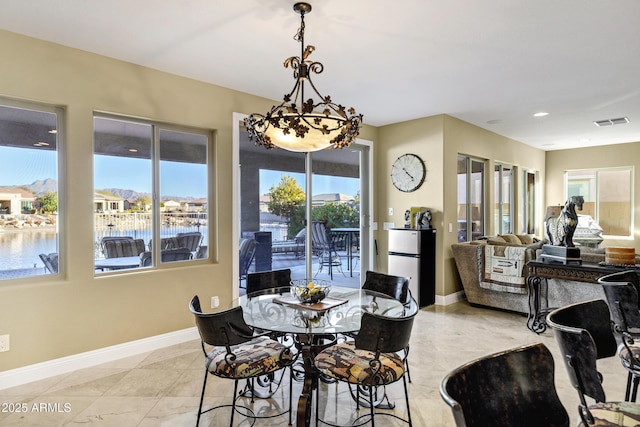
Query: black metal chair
column 238, row 354
column 272, row 280
column 50, row 262
column 584, row 335
column 510, row 388
column 396, row 287
column 372, row 360
column 620, row 290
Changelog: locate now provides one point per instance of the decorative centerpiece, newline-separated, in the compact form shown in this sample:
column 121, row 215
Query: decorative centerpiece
column 560, row 229
column 310, row 292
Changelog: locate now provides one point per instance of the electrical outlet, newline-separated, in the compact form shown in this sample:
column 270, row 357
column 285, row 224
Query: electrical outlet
column 4, row 343
column 390, row 211
column 215, row 302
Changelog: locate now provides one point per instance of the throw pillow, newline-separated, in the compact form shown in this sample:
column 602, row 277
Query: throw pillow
column 510, row 238
column 525, row 239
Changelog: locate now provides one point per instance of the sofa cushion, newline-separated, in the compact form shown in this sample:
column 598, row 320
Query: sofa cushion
column 525, row 239
column 511, row 239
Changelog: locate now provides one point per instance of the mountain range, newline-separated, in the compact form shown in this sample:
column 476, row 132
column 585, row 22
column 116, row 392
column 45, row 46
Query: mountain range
column 42, row 186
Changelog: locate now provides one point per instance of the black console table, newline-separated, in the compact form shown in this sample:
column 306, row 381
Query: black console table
column 539, row 271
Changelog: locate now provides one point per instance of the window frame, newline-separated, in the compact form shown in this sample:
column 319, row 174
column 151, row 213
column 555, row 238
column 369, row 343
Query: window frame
column 156, row 195
column 597, row 201
column 60, row 113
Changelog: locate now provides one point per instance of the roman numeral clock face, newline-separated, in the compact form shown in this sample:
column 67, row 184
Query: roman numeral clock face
column 408, row 173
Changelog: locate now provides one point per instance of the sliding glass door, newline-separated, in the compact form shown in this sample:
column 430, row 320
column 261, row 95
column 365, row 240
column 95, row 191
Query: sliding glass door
column 272, row 204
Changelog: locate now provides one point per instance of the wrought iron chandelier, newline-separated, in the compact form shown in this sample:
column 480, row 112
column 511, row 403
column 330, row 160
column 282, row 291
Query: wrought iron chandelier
column 314, row 124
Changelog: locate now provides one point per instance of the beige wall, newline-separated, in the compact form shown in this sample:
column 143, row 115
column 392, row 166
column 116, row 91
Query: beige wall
column 591, row 158
column 424, row 138
column 49, row 319
column 439, row 140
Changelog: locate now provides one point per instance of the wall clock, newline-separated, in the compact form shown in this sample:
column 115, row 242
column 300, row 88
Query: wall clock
column 408, row 173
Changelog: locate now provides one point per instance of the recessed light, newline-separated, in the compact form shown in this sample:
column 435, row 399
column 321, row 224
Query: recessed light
column 133, row 150
column 41, row 144
column 53, row 131
column 541, row 114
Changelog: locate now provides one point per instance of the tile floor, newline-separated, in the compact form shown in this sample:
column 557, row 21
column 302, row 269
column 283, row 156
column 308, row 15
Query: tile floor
column 162, row 388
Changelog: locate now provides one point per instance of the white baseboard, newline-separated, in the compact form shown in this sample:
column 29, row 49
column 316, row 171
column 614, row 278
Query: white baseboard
column 63, row 365
column 450, row 299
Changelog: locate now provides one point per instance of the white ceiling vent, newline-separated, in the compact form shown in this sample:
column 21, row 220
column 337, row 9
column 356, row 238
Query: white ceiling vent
column 609, row 122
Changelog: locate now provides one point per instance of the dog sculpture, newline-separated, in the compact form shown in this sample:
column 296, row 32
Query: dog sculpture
column 560, row 228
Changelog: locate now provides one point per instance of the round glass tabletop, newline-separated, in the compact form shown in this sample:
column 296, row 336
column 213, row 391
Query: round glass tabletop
column 340, row 312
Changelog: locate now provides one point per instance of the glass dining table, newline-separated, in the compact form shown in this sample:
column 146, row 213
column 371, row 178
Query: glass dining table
column 313, row 326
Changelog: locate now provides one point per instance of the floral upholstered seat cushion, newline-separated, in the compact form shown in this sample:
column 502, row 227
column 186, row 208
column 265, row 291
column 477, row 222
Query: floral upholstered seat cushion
column 256, row 357
column 347, row 363
column 625, row 414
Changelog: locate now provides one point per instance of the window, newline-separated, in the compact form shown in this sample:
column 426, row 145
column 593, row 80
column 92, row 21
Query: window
column 503, row 182
column 150, row 201
column 30, row 146
column 607, row 197
column 470, row 198
column 529, row 201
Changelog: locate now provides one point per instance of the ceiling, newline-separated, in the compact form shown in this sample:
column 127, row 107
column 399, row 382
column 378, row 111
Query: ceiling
column 493, row 63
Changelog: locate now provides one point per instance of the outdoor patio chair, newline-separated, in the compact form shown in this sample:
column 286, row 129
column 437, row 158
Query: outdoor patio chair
column 111, row 239
column 167, row 255
column 247, row 253
column 189, row 240
column 325, row 248
column 202, row 252
column 50, row 262
column 510, row 388
column 123, row 248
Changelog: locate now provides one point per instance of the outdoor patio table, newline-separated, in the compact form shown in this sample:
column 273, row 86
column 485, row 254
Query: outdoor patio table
column 117, row 263
column 339, row 313
column 351, row 233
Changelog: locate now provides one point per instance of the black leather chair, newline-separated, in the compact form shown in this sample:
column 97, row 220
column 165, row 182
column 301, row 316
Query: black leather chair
column 396, row 287
column 374, row 359
column 272, row 280
column 620, row 290
column 584, row 335
column 237, row 354
column 511, row 388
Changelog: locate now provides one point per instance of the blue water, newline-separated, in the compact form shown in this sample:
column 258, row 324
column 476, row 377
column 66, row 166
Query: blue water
column 20, row 249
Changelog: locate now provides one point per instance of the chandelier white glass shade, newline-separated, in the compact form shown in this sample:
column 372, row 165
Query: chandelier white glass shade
column 314, row 124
